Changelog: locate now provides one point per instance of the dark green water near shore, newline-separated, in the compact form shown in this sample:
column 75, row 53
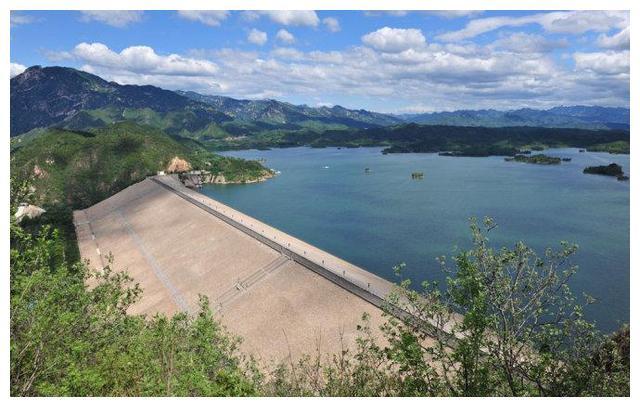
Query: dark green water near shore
column 381, row 218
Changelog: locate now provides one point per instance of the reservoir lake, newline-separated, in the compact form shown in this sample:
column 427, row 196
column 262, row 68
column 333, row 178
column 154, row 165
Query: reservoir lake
column 379, row 219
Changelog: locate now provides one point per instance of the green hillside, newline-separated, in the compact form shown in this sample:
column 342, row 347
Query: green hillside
column 78, row 168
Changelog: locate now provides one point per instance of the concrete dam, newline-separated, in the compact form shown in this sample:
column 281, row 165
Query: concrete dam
column 281, row 295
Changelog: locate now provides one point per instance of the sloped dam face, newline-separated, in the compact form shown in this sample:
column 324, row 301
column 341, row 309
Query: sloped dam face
column 281, row 295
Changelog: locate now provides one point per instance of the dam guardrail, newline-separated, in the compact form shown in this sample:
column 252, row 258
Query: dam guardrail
column 363, row 289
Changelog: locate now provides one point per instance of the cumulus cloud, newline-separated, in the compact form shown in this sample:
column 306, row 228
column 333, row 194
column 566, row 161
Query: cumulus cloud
column 608, row 63
column 16, row 69
column 113, row 18
column 142, row 60
column 211, row 18
column 569, row 22
column 434, row 76
column 285, row 36
column 307, row 18
column 332, row 24
column 620, row 40
column 257, row 37
column 394, row 39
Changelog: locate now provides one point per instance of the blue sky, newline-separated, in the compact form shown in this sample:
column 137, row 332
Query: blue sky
column 384, row 61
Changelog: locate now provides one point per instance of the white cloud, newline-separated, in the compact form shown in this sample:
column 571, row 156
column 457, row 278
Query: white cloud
column 332, row 24
column 432, row 76
column 211, row 18
column 393, row 13
column 142, row 60
column 569, row 22
column 450, row 14
column 527, row 43
column 257, row 37
column 57, row 56
column 608, row 63
column 113, row 18
column 289, row 17
column 620, row 40
column 285, row 36
column 17, row 18
column 287, row 53
column 394, row 39
column 16, row 69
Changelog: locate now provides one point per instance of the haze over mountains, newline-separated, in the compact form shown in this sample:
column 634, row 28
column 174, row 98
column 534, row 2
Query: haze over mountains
column 584, row 117
column 269, row 110
column 66, row 97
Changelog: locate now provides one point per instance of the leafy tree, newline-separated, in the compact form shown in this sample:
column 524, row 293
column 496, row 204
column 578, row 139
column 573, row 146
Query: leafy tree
column 69, row 339
column 506, row 324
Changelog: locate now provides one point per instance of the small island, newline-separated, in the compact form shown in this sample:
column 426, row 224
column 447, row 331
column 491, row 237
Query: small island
column 540, row 159
column 611, row 170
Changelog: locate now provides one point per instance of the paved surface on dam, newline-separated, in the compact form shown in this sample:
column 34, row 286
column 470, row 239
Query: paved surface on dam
column 282, row 295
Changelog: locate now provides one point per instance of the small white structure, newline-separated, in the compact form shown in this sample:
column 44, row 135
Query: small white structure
column 26, row 210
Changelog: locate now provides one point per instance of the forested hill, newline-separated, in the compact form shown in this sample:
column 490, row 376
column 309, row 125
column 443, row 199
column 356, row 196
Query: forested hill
column 65, row 97
column 472, row 141
column 41, row 97
column 77, row 169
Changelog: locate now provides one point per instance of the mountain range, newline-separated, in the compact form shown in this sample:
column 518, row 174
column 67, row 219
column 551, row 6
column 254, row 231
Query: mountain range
column 274, row 111
column 42, row 97
column 64, row 97
column 583, row 117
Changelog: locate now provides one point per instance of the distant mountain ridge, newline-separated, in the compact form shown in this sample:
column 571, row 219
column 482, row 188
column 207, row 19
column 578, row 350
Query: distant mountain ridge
column 42, row 97
column 274, row 111
column 584, row 117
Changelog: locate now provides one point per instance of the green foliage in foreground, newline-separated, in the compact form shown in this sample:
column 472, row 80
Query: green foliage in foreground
column 77, row 169
column 71, row 340
column 520, row 333
column 507, row 325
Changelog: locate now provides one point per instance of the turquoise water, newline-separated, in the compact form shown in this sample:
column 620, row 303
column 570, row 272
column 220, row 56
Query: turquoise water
column 380, row 219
